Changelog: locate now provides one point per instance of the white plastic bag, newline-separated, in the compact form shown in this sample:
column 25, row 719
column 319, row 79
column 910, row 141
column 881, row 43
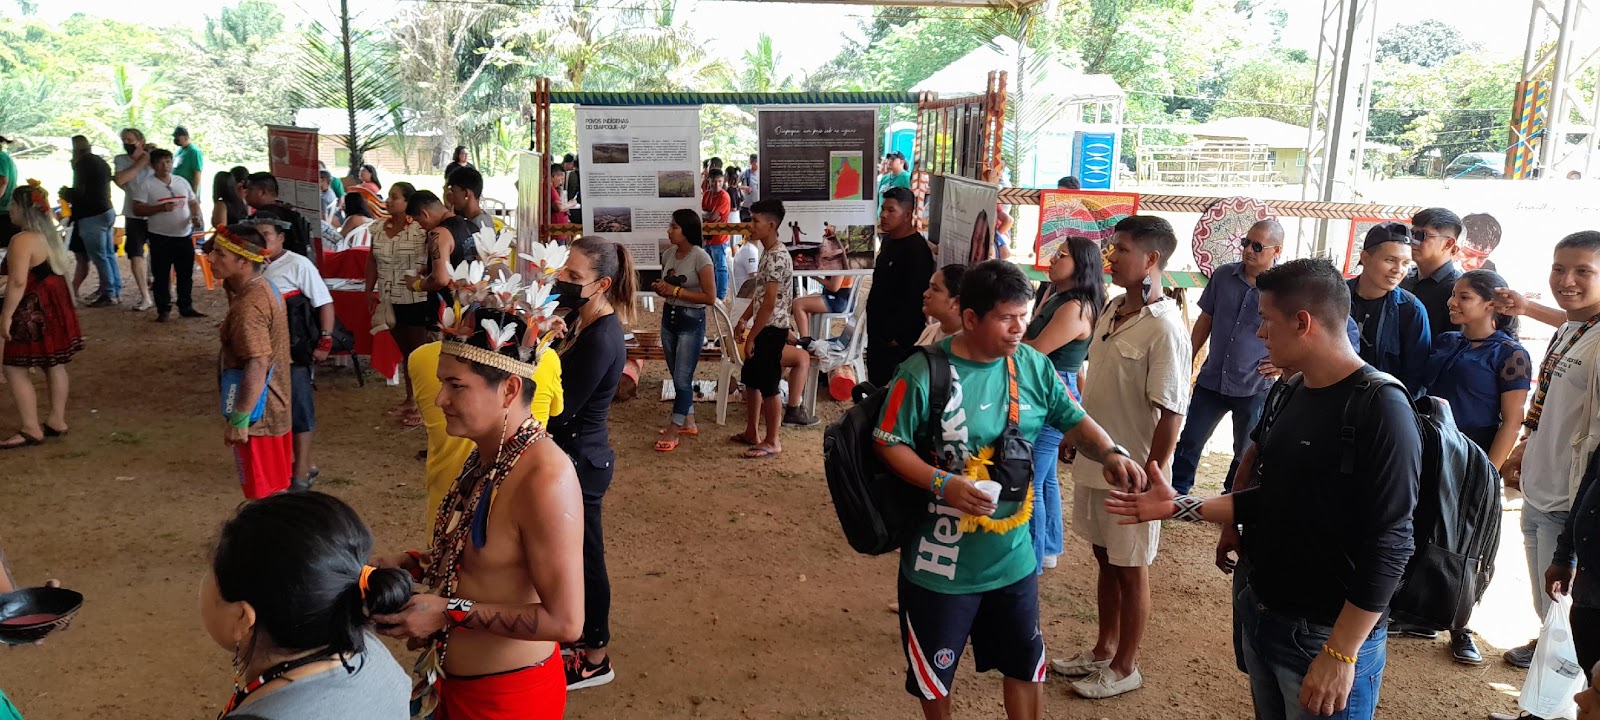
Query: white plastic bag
column 1555, row 676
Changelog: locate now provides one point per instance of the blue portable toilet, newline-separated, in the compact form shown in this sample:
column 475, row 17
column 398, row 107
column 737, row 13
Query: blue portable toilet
column 901, row 137
column 1094, row 159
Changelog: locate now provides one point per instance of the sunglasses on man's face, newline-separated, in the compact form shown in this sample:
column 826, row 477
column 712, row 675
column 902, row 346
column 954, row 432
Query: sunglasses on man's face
column 1254, row 246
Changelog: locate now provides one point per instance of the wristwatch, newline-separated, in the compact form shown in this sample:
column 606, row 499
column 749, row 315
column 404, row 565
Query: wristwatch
column 1119, row 450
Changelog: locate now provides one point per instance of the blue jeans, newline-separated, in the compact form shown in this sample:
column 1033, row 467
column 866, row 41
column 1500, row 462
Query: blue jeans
column 1206, row 408
column 1048, row 531
column 1278, row 650
column 683, row 332
column 102, row 250
column 1539, row 532
column 719, row 267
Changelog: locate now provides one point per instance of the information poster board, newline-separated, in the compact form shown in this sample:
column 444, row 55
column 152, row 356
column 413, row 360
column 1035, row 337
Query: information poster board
column 821, row 161
column 292, row 159
column 639, row 165
column 962, row 219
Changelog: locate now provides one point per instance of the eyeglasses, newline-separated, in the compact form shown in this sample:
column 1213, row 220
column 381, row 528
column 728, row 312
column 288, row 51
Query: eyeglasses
column 1420, row 235
column 1254, row 246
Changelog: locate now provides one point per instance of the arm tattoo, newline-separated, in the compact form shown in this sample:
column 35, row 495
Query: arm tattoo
column 517, row 625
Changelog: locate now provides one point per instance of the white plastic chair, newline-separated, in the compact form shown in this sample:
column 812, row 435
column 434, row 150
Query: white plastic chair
column 732, row 361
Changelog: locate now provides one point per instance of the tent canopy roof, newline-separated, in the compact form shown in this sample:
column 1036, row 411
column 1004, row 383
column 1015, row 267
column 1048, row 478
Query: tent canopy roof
column 1059, row 83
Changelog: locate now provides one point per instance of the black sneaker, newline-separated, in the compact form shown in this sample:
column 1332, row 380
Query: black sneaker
column 161, row 316
column 580, row 674
column 103, row 301
column 1416, row 631
column 1463, row 648
column 797, row 416
column 1521, row 657
column 191, row 312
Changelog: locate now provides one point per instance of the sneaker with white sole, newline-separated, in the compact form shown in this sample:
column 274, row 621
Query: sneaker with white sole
column 1079, row 665
column 580, row 674
column 1049, row 562
column 1101, row 685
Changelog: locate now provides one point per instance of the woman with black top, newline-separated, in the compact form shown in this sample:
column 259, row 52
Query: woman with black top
column 227, row 207
column 457, row 160
column 290, row 594
column 597, row 286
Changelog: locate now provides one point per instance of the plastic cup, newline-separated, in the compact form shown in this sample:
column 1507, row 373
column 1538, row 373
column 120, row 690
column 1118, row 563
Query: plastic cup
column 989, row 488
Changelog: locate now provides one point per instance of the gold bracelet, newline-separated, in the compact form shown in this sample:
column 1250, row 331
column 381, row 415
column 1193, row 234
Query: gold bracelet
column 1341, row 657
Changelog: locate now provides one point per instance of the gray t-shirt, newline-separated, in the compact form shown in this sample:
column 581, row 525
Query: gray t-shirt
column 687, row 267
column 484, row 220
column 123, row 162
column 378, row 690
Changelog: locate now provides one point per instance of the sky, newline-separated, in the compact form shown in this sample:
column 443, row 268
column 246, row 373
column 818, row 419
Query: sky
column 808, row 35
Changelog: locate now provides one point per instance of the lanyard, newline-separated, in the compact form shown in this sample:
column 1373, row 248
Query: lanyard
column 1547, row 371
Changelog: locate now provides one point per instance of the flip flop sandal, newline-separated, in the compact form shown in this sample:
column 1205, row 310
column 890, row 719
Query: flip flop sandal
column 758, row 453
column 666, row 445
column 27, row 441
column 411, row 421
column 52, row 432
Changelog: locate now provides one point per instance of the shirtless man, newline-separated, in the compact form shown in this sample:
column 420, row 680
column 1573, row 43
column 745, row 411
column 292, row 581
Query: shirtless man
column 505, row 576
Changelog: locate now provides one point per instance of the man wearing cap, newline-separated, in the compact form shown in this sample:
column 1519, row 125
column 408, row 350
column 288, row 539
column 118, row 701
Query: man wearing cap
column 1392, row 322
column 187, row 157
column 896, row 176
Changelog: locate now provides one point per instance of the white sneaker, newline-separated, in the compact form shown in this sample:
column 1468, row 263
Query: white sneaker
column 1101, row 684
column 1050, row 562
column 1079, row 665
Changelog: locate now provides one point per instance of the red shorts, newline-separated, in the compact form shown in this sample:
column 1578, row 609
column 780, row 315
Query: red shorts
column 532, row 693
column 265, row 465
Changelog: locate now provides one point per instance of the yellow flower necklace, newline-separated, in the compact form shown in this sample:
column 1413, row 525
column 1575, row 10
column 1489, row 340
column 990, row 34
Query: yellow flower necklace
column 978, row 469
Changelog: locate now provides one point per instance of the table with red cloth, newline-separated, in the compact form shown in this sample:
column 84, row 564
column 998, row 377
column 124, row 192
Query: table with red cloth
column 354, row 310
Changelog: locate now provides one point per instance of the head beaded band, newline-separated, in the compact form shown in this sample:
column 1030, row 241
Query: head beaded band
column 238, row 246
column 473, row 353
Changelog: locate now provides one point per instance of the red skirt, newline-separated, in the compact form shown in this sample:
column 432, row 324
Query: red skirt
column 532, row 693
column 44, row 329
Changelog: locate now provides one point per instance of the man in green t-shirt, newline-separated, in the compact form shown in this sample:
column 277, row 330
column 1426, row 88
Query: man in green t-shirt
column 187, row 158
column 8, row 178
column 968, row 571
column 897, row 176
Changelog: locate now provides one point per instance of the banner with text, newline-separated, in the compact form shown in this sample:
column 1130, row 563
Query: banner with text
column 822, row 163
column 292, row 159
column 640, row 165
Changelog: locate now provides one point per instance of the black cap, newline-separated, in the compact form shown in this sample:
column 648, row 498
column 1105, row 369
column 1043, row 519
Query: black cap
column 1386, row 232
column 180, row 131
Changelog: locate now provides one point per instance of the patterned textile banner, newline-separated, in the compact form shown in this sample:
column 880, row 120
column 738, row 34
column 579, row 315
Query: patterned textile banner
column 1079, row 213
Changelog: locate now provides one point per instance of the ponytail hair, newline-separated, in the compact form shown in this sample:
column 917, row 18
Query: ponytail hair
column 612, row 260
column 299, row 560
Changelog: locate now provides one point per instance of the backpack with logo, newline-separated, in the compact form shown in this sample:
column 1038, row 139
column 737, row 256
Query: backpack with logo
column 877, row 509
column 1456, row 524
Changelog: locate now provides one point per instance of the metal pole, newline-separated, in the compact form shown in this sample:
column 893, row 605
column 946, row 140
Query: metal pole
column 1560, row 111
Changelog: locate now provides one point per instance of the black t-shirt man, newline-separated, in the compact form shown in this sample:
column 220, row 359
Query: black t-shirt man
column 894, row 305
column 1367, row 314
column 1317, row 537
column 462, row 231
column 1434, row 291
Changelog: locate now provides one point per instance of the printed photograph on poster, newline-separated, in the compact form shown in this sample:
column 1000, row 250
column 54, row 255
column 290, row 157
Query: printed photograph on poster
column 962, row 219
column 643, row 165
column 1079, row 213
column 818, row 240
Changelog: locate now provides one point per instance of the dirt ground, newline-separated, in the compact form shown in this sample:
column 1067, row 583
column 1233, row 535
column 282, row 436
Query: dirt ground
column 735, row 594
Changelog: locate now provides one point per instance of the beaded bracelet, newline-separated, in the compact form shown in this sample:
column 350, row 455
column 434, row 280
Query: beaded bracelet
column 940, row 477
column 1341, row 657
column 1188, row 508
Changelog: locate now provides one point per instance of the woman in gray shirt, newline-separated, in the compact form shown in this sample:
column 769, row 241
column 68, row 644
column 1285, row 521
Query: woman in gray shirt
column 290, row 594
column 687, row 284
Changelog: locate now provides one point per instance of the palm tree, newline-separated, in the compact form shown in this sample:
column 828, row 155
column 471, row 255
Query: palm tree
column 620, row 49
column 761, row 69
column 350, row 70
column 138, row 100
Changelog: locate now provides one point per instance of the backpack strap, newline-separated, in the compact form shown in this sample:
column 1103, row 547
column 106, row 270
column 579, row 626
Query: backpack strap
column 1358, row 403
column 927, row 436
column 1277, row 400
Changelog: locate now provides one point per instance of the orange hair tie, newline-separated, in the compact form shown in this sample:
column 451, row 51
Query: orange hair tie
column 366, row 572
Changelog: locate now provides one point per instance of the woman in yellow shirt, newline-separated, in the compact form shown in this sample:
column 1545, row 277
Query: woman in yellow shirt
column 447, row 454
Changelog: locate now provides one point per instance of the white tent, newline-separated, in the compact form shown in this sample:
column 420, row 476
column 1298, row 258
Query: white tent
column 1049, row 79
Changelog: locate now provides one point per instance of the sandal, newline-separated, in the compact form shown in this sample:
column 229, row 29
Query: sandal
column 666, row 445
column 740, row 439
column 692, row 432
column 411, row 421
column 757, row 453
column 27, row 441
column 52, row 432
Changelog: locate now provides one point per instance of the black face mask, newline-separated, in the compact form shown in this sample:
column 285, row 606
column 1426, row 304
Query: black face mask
column 569, row 295
column 129, row 148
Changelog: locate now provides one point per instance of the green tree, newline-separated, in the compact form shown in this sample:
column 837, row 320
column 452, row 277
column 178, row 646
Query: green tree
column 761, row 69
column 29, row 101
column 1428, row 43
column 252, row 24
column 349, row 68
column 1268, row 87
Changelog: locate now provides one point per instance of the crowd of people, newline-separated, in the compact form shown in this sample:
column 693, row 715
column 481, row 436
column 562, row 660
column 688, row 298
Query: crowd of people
column 516, row 395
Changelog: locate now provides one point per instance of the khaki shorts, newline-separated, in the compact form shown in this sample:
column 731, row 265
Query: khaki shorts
column 1126, row 545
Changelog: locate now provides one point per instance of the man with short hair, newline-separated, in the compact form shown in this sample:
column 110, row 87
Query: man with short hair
column 769, row 315
column 1392, row 322
column 899, row 276
column 715, row 207
column 330, row 201
column 896, row 177
column 172, row 209
column 968, row 570
column 130, row 169
column 1327, row 548
column 1068, row 182
column 573, row 188
column 261, row 192
column 1138, row 388
column 1434, row 271
column 504, row 576
column 463, row 191
column 297, row 280
column 431, row 213
column 1237, row 373
column 749, row 187
column 188, row 157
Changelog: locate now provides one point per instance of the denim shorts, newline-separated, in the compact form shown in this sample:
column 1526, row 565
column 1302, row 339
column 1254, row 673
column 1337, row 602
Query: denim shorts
column 301, row 404
column 837, row 302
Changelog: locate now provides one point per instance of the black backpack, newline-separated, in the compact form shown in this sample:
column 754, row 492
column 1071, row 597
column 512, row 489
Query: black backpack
column 877, row 509
column 1456, row 525
column 305, row 331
